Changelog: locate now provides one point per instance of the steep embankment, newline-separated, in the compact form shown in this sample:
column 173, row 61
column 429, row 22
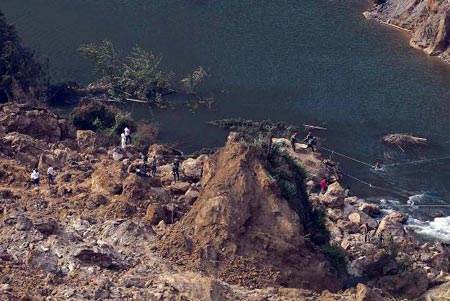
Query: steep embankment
column 427, row 20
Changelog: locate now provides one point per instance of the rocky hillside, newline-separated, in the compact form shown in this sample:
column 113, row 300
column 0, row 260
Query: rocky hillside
column 427, row 20
column 231, row 232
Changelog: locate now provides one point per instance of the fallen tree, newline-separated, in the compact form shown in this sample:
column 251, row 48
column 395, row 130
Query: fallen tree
column 403, row 140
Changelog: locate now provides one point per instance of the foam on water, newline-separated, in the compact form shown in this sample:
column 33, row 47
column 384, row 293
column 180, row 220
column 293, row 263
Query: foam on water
column 438, row 229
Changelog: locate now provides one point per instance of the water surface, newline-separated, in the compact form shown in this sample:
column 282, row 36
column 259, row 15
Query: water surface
column 309, row 61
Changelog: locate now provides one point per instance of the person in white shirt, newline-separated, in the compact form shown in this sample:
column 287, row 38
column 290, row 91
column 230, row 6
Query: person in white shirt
column 127, row 136
column 123, row 140
column 51, row 175
column 35, row 177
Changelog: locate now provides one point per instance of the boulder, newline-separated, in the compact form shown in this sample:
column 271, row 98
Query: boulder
column 334, row 196
column 107, row 178
column 86, row 140
column 440, row 293
column 179, row 187
column 364, row 293
column 192, row 168
column 189, row 197
column 392, row 224
column 409, row 284
column 370, row 209
column 23, row 148
column 38, row 123
column 156, row 213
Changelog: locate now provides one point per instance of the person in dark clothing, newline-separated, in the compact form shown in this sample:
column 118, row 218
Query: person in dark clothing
column 309, row 135
column 51, row 175
column 293, row 140
column 347, row 193
column 311, row 142
column 153, row 166
column 144, row 158
column 176, row 169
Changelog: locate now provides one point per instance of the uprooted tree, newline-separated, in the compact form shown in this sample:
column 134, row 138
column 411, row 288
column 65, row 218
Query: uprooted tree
column 136, row 76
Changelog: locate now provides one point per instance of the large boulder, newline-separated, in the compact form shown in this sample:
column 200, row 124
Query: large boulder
column 23, row 148
column 334, row 196
column 241, row 229
column 107, row 178
column 409, row 284
column 392, row 225
column 440, row 293
column 38, row 123
column 86, row 140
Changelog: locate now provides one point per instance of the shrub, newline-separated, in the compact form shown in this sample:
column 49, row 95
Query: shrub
column 93, row 115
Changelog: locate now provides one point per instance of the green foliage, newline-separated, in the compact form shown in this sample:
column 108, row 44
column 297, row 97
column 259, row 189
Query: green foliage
column 137, row 75
column 20, row 71
column 192, row 80
column 336, row 256
column 121, row 121
column 278, row 129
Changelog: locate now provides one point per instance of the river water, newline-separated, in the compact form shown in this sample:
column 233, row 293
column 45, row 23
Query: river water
column 310, row 61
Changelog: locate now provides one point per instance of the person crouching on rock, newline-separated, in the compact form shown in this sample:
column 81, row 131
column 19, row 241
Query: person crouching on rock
column 176, row 169
column 50, row 175
column 35, row 177
column 323, row 185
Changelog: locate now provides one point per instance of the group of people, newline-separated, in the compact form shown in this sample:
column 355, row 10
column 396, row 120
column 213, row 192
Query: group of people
column 35, row 176
column 125, row 137
column 153, row 167
column 310, row 141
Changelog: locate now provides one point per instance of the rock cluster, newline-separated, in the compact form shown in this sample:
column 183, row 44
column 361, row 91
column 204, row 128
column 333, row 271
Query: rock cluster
column 225, row 231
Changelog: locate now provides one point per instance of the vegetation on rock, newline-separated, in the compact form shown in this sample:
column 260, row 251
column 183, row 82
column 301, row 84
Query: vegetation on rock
column 21, row 73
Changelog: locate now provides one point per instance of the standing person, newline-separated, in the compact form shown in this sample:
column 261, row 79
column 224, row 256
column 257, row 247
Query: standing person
column 50, row 175
column 176, row 169
column 123, row 140
column 144, row 158
column 365, row 231
column 323, row 185
column 293, row 140
column 308, row 136
column 153, row 165
column 311, row 142
column 127, row 136
column 35, row 177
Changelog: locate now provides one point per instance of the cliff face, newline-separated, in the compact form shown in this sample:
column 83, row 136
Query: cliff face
column 427, row 20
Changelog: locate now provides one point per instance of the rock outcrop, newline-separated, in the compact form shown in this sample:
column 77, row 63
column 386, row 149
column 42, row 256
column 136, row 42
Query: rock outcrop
column 427, row 20
column 241, row 230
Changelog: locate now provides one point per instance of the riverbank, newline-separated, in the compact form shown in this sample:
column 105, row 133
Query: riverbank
column 240, row 224
column 426, row 20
